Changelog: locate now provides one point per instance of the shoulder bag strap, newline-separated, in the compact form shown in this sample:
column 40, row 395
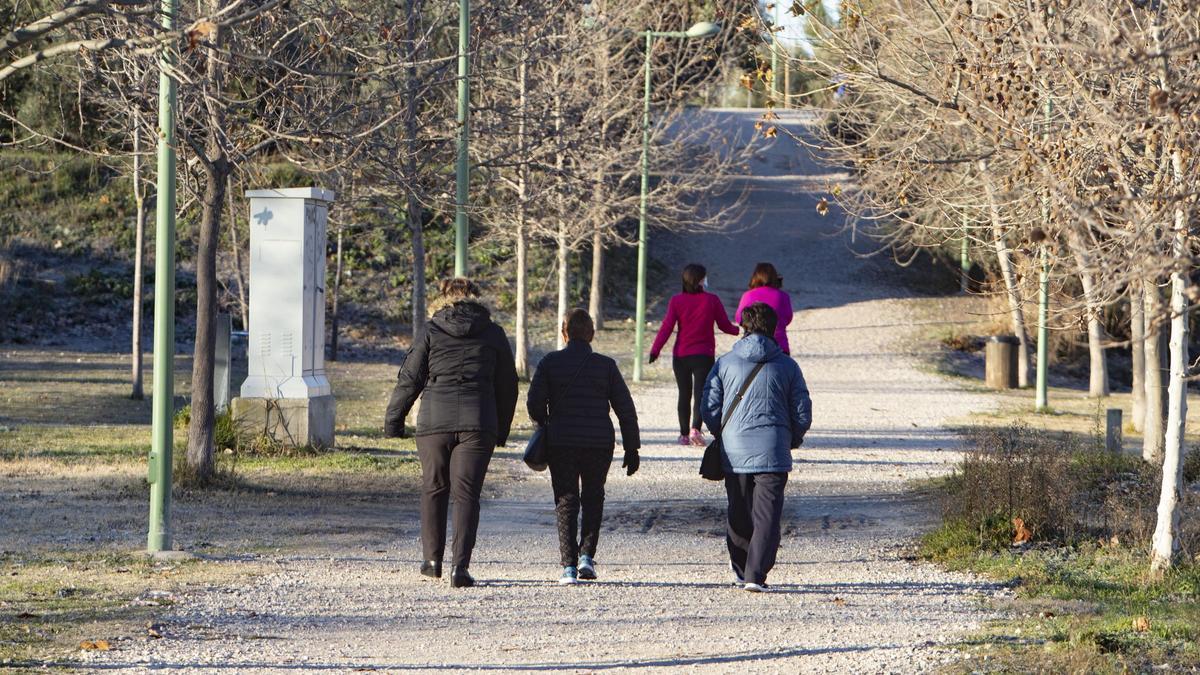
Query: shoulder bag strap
column 741, row 393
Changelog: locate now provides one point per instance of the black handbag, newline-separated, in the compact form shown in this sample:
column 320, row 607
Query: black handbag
column 711, row 467
column 537, row 449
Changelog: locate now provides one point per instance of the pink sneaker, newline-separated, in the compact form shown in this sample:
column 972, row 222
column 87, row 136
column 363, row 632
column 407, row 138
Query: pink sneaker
column 697, row 438
column 685, row 440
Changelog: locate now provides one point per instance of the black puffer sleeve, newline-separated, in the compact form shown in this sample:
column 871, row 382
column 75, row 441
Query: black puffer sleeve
column 622, row 404
column 505, row 380
column 409, row 383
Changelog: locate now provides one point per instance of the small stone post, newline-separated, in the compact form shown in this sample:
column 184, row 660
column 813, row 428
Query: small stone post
column 1113, row 436
column 222, row 363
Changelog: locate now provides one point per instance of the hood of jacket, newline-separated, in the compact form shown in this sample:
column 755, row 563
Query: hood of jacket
column 462, row 319
column 757, row 348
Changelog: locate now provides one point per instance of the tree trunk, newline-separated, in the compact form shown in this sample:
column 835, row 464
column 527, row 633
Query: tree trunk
column 1165, row 547
column 563, row 261
column 1154, row 430
column 200, row 451
column 1004, row 257
column 562, row 254
column 413, row 213
column 139, row 242
column 522, row 320
column 1137, row 349
column 419, row 294
column 596, row 293
column 1098, row 372
column 337, row 292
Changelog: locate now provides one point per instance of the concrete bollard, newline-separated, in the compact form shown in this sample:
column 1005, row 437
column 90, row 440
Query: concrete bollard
column 1113, row 434
column 1000, row 370
column 222, row 363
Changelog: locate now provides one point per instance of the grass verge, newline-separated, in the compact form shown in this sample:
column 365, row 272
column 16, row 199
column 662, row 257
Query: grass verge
column 57, row 606
column 1084, row 608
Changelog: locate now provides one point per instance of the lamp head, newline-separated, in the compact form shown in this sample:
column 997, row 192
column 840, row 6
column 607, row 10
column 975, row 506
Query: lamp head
column 703, row 29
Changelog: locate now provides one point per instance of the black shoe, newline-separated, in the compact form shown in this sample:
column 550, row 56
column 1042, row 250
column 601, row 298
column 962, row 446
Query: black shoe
column 460, row 578
column 432, row 569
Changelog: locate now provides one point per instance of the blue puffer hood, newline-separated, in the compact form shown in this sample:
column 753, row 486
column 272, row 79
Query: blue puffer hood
column 756, row 348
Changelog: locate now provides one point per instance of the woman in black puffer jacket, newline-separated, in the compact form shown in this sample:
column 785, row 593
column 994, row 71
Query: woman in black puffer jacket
column 571, row 395
column 462, row 368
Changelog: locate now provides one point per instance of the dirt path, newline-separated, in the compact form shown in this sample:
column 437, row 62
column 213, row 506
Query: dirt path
column 850, row 599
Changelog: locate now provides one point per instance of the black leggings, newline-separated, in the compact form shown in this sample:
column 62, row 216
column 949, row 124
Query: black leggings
column 577, row 478
column 690, row 373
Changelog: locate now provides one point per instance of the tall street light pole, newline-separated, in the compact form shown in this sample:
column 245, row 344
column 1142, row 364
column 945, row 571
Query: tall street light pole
column 462, row 167
column 700, row 30
column 159, row 474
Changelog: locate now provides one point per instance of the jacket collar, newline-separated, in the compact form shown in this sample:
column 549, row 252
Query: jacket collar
column 578, row 346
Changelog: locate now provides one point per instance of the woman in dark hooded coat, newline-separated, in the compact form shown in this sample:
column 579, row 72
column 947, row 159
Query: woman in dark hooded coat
column 462, row 368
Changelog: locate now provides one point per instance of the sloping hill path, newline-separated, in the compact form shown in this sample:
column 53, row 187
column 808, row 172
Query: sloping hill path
column 849, row 598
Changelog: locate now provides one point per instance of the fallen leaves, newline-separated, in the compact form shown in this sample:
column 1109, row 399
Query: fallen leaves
column 95, row 645
column 1141, row 624
column 839, row 601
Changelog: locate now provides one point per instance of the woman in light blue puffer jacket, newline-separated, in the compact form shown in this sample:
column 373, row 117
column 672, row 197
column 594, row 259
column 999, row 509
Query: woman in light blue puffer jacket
column 771, row 420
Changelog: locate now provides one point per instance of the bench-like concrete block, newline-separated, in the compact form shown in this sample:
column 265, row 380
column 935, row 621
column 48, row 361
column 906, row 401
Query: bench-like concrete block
column 292, row 422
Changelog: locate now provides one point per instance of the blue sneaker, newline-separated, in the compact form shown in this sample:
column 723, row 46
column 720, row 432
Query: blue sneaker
column 587, row 568
column 569, row 577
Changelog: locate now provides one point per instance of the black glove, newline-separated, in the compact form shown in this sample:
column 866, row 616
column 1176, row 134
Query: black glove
column 631, row 463
column 653, row 358
column 395, row 432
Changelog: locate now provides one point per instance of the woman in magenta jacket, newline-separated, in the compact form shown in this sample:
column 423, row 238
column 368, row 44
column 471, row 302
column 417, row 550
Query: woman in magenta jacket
column 765, row 285
column 696, row 311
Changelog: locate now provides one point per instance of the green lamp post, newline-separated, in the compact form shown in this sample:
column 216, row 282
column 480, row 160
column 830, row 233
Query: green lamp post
column 159, row 474
column 700, row 30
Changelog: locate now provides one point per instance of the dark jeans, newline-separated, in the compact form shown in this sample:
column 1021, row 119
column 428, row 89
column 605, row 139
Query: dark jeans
column 690, row 373
column 754, row 527
column 452, row 469
column 571, row 470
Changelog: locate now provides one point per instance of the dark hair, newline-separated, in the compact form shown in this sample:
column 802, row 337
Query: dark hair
column 459, row 289
column 761, row 319
column 693, row 274
column 765, row 275
column 578, row 326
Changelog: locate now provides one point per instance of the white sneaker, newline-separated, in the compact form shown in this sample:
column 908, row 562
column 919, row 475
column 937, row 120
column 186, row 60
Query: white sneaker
column 756, row 588
column 737, row 578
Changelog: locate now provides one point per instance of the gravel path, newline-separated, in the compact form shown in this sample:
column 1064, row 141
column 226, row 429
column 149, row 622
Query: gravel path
column 850, row 597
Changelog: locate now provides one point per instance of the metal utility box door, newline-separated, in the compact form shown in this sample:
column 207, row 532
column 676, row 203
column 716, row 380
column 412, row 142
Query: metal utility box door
column 287, row 293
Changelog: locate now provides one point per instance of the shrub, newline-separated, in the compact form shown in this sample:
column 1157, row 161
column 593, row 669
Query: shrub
column 1066, row 488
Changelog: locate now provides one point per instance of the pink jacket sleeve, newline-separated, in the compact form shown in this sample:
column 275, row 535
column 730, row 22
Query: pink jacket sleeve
column 722, row 318
column 785, row 309
column 665, row 330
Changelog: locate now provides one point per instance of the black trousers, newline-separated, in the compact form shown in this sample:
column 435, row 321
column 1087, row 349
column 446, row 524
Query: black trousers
column 690, row 373
column 578, row 477
column 452, row 469
column 754, row 527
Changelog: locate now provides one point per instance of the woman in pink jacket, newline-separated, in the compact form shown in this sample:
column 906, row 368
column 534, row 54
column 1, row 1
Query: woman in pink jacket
column 696, row 311
column 765, row 285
